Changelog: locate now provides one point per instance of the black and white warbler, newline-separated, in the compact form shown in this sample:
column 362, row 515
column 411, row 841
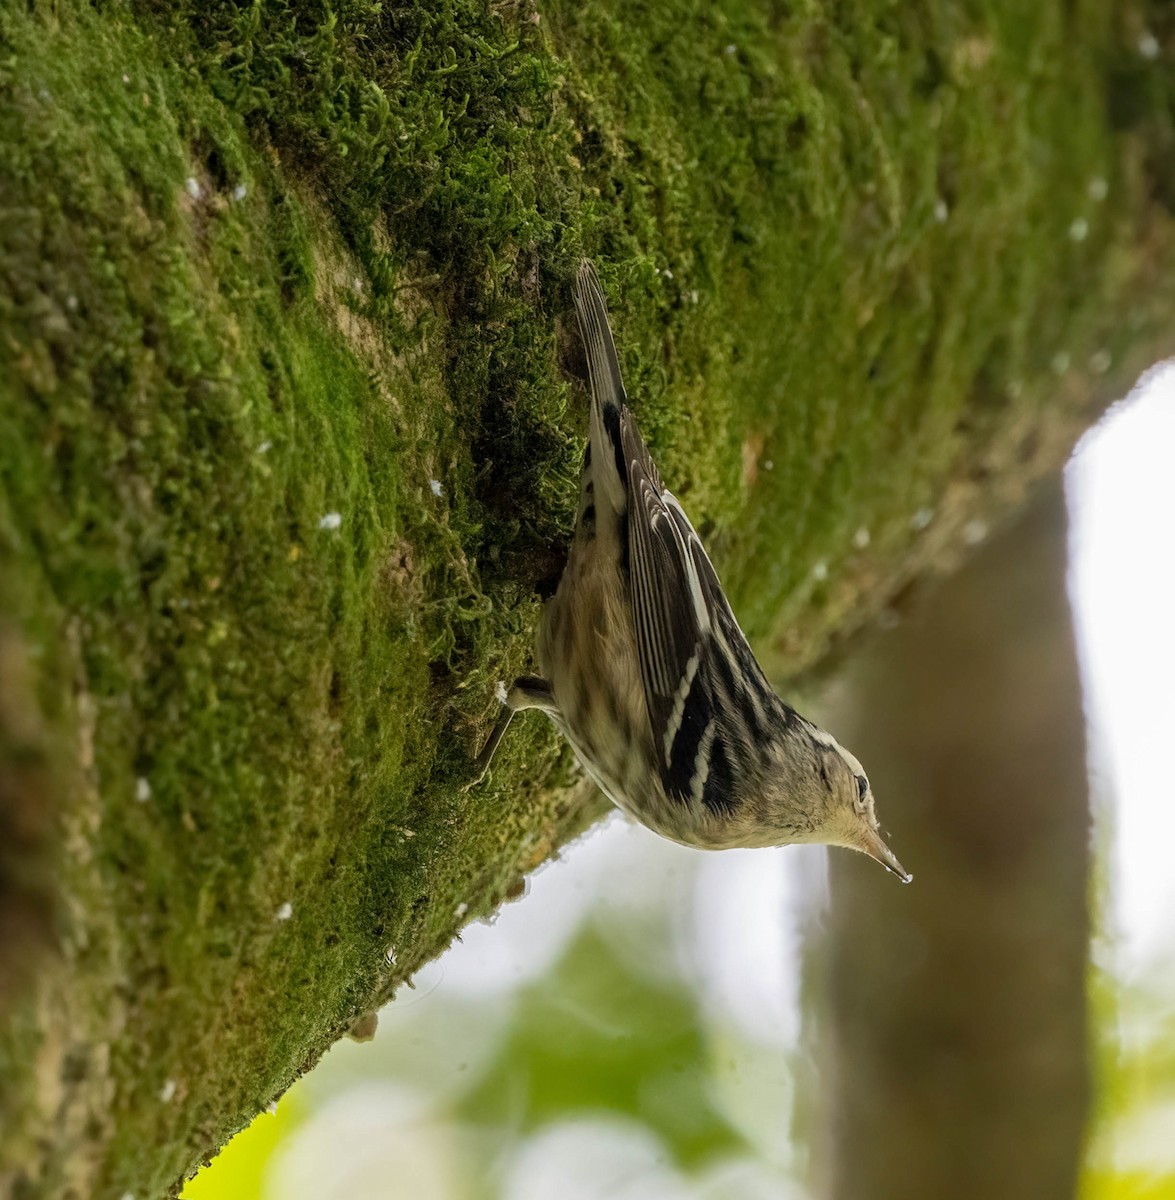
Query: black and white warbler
column 646, row 672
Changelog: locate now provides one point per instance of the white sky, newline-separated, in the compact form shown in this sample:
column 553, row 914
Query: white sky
column 1121, row 488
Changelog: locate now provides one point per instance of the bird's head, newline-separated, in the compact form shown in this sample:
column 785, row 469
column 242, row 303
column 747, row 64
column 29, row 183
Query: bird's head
column 855, row 818
column 823, row 795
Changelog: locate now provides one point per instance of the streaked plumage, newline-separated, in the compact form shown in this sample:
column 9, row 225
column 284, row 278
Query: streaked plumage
column 646, row 672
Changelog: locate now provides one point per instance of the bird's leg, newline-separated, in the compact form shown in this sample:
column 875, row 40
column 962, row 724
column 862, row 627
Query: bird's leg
column 528, row 691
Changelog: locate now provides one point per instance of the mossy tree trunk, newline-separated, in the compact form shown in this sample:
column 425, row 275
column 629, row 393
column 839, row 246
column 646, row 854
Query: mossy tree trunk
column 288, row 437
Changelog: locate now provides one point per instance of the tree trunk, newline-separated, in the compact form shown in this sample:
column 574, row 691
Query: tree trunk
column 957, row 1007
column 287, row 443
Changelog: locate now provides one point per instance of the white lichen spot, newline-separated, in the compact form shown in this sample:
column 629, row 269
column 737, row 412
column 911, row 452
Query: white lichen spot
column 271, row 1107
column 285, row 911
column 861, row 538
column 240, row 191
column 500, row 691
column 1060, row 363
column 1148, row 45
column 666, row 273
column 974, row 532
column 265, row 448
column 126, row 78
column 1079, row 230
column 436, row 487
column 1098, row 189
column 167, row 1091
column 921, row 519
column 331, row 520
column 460, row 910
column 769, row 464
column 193, row 188
column 941, row 211
column 71, row 302
column 731, row 50
column 357, row 284
column 820, row 571
column 1100, row 361
column 693, row 296
column 142, row 790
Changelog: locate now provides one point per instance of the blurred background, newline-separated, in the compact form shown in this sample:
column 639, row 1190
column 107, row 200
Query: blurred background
column 653, row 1023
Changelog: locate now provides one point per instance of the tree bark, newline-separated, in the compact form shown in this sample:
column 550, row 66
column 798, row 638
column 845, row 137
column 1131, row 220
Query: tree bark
column 289, row 438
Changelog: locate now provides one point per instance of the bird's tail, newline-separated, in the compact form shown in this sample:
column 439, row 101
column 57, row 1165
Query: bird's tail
column 605, row 465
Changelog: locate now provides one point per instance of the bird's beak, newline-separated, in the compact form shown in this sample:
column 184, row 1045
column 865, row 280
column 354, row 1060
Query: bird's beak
column 873, row 845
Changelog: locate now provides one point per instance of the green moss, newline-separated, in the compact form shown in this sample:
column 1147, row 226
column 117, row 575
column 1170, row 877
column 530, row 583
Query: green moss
column 197, row 375
column 263, row 264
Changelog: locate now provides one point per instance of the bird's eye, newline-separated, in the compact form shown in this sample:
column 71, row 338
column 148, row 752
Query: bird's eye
column 862, row 789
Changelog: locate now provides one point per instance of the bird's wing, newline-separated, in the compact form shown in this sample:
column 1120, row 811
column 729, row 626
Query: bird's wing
column 706, row 696
column 701, row 681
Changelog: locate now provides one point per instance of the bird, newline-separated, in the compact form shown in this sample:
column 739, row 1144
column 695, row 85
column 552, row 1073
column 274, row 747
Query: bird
column 646, row 672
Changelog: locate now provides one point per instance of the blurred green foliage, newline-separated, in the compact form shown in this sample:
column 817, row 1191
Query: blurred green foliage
column 596, row 1035
column 1131, row 1154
